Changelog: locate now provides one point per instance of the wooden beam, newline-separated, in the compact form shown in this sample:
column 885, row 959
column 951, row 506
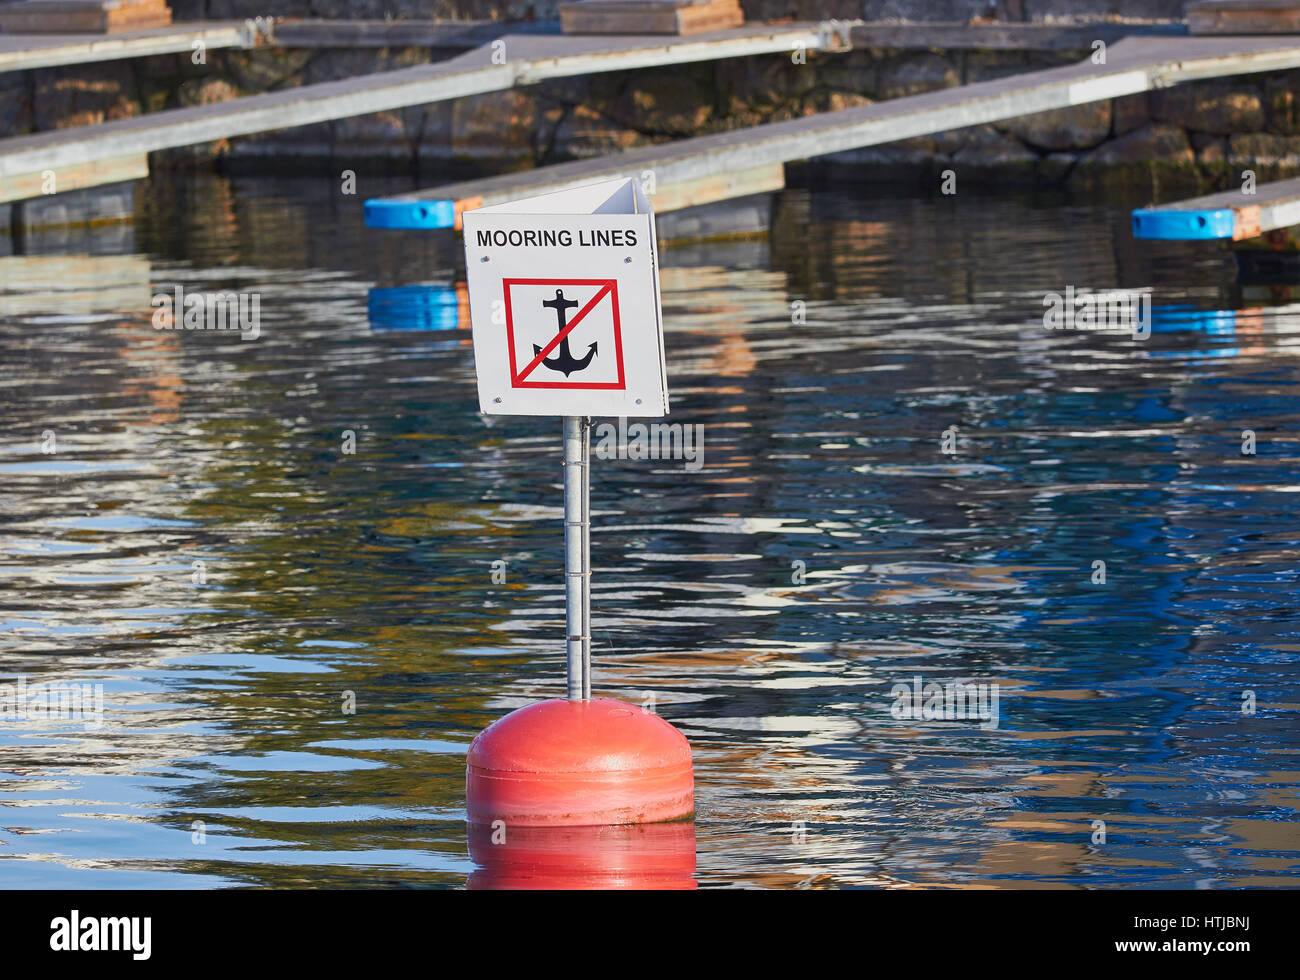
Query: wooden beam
column 82, row 16
column 649, row 16
column 74, row 177
column 454, row 200
column 20, row 52
column 678, row 195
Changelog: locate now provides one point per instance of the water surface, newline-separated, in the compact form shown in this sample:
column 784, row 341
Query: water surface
column 226, row 757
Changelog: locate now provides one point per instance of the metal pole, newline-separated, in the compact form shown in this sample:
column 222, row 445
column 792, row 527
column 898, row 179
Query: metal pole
column 577, row 554
column 586, row 559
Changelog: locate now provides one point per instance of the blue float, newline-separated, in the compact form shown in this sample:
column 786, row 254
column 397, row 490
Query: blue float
column 410, row 212
column 1175, row 225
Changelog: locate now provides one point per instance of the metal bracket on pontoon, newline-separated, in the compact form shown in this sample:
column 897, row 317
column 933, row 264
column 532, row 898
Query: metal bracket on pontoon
column 836, row 35
column 257, row 32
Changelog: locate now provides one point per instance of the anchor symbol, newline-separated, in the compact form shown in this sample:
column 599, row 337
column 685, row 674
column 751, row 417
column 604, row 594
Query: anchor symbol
column 564, row 361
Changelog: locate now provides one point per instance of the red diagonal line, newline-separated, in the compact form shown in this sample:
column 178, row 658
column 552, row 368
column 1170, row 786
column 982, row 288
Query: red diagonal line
column 568, row 329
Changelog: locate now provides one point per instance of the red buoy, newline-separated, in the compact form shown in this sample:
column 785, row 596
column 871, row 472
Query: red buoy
column 579, row 763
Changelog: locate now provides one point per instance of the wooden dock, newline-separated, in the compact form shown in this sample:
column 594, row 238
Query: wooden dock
column 705, row 168
column 1231, row 216
column 19, row 52
column 531, row 58
column 684, row 173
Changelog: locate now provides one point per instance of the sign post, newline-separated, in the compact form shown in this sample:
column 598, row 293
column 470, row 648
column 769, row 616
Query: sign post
column 577, row 553
column 571, row 271
column 565, row 311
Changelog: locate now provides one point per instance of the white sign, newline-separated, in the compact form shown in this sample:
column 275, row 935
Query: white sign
column 564, row 304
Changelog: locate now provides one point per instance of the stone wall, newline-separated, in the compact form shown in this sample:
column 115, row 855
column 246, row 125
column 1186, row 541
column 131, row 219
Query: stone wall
column 1018, row 10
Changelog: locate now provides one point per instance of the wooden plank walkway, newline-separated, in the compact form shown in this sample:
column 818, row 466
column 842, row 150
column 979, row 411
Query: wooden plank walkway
column 1230, row 215
column 31, row 186
column 530, row 58
column 19, row 52
column 1132, row 65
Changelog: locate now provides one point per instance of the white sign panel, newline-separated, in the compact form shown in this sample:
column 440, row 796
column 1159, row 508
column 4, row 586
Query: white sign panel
column 564, row 304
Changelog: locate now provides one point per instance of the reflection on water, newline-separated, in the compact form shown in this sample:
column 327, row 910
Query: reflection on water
column 200, row 545
column 646, row 856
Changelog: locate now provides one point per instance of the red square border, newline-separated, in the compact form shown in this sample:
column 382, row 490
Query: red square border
column 516, row 382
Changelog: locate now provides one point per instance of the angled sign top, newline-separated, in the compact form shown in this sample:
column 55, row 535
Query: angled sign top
column 564, row 304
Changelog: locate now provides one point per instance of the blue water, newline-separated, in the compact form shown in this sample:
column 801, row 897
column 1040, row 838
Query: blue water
column 1125, row 751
